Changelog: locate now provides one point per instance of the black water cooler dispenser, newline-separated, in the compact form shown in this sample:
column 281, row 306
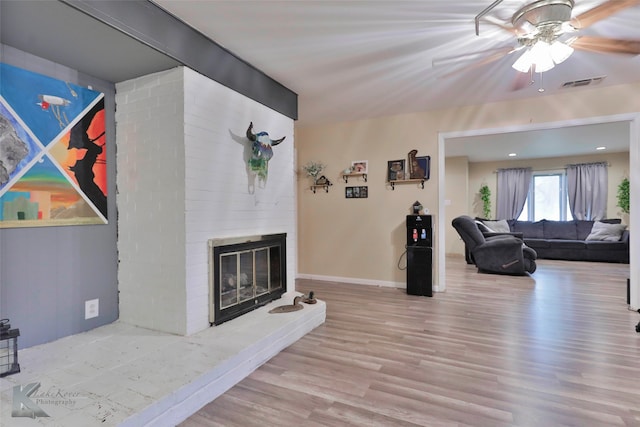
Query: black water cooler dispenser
column 419, row 255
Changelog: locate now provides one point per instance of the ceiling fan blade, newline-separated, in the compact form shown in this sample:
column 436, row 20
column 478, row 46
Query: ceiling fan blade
column 602, row 11
column 495, row 21
column 498, row 54
column 471, row 56
column 607, row 45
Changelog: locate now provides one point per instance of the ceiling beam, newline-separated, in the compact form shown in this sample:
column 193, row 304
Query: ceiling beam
column 151, row 25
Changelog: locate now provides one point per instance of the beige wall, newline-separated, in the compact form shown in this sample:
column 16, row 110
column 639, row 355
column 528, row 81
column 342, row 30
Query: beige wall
column 360, row 238
column 363, row 239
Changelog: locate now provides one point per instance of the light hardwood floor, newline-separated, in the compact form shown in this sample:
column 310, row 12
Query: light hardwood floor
column 552, row 349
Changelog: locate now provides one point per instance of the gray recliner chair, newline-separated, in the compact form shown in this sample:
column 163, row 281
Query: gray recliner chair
column 502, row 254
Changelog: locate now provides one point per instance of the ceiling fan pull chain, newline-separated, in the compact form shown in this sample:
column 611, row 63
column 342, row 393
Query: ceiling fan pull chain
column 531, row 79
column 541, row 88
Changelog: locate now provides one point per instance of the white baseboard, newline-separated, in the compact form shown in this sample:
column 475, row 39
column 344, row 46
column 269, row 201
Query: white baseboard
column 367, row 282
column 353, row 280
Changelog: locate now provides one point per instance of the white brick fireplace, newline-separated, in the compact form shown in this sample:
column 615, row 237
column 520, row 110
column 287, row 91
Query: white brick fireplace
column 182, row 180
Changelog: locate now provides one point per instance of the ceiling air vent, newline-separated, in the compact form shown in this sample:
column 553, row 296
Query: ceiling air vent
column 583, row 82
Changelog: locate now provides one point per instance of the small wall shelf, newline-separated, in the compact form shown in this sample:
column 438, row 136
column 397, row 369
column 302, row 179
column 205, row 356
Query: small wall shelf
column 406, row 181
column 325, row 186
column 346, row 176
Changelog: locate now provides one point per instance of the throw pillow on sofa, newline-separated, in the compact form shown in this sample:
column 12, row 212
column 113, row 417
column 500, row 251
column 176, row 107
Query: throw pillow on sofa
column 500, row 226
column 483, row 227
column 606, row 232
column 584, row 227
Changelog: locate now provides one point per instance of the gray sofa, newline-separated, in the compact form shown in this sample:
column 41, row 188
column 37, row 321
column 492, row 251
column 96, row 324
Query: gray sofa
column 568, row 240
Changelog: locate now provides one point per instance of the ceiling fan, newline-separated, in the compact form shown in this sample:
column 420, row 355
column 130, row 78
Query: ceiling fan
column 548, row 34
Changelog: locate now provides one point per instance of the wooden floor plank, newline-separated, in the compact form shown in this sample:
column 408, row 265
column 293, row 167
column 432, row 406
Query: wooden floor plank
column 556, row 348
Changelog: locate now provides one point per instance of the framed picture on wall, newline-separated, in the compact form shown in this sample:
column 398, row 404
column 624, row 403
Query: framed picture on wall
column 44, row 183
column 396, row 170
column 361, row 192
column 348, row 192
column 421, row 167
column 360, row 166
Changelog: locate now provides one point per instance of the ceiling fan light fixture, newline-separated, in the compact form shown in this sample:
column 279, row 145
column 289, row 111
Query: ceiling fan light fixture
column 560, row 51
column 524, row 63
column 544, row 64
column 542, row 22
column 541, row 54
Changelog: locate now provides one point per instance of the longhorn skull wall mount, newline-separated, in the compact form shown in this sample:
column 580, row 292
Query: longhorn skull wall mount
column 261, row 151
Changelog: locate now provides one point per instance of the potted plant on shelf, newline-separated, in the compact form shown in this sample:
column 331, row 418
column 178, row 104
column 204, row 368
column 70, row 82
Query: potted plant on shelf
column 485, row 196
column 623, row 195
column 314, row 169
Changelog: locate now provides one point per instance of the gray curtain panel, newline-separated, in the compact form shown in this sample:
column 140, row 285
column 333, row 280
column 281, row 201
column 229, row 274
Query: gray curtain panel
column 587, row 186
column 513, row 187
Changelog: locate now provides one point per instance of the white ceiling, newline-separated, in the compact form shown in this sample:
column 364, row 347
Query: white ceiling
column 347, row 59
column 357, row 59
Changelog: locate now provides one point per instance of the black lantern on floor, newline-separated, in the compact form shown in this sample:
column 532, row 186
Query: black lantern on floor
column 8, row 349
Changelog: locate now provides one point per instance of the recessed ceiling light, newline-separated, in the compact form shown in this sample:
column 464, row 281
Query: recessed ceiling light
column 512, row 154
column 601, row 148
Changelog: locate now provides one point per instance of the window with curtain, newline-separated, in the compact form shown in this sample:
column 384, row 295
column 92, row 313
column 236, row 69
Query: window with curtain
column 547, row 197
column 587, row 186
column 580, row 192
column 513, row 187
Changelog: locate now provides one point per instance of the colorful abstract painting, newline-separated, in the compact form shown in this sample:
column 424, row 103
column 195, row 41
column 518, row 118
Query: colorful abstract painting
column 53, row 160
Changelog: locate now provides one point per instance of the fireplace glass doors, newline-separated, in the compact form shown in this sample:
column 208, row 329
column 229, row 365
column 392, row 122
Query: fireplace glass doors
column 245, row 273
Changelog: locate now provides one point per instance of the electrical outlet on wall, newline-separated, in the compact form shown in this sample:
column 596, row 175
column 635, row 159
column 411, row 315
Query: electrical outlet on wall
column 91, row 308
